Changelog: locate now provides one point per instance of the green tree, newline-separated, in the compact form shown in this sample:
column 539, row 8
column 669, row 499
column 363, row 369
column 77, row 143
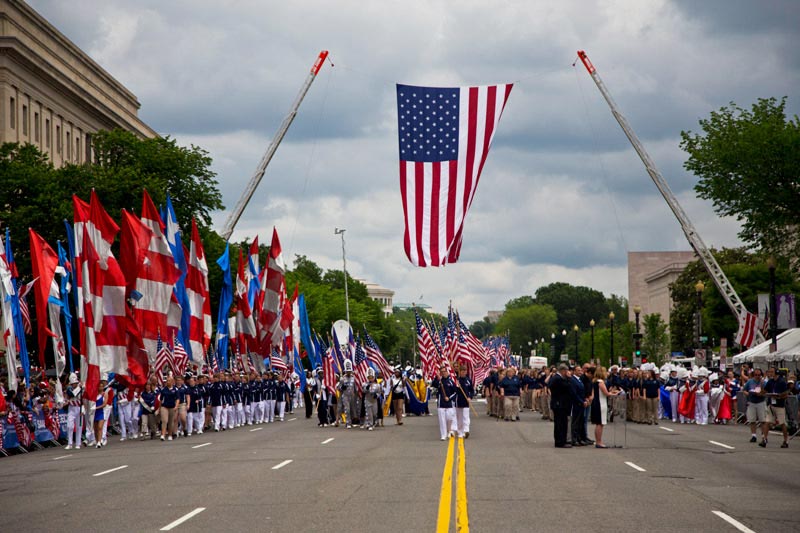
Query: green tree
column 573, row 304
column 655, row 344
column 748, row 165
column 525, row 324
column 482, row 328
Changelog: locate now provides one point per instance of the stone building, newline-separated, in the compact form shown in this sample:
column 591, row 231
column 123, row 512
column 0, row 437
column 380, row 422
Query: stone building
column 649, row 277
column 52, row 94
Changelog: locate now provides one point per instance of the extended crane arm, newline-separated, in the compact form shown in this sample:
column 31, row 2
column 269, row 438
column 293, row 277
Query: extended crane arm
column 715, row 271
column 252, row 185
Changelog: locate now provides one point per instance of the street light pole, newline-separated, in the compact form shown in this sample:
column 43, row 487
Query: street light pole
column 637, row 345
column 699, row 287
column 553, row 346
column 338, row 231
column 575, row 329
column 611, row 357
column 773, row 315
column 591, row 327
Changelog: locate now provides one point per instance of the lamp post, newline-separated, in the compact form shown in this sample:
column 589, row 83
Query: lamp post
column 637, row 345
column 338, row 231
column 699, row 287
column 530, row 349
column 773, row 315
column 553, row 346
column 536, row 349
column 575, row 328
column 591, row 327
column 611, row 356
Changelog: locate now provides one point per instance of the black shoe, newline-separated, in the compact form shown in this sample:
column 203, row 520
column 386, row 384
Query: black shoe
column 578, row 444
column 563, row 445
column 753, row 439
column 588, row 441
column 763, row 443
column 785, row 444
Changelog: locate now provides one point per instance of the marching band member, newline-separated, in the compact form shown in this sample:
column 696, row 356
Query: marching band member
column 148, row 402
column 99, row 411
column 108, row 407
column 282, row 396
column 270, row 387
column 447, row 390
column 321, row 395
column 74, row 421
column 346, row 387
column 464, row 394
column 372, row 391
column 196, row 407
column 398, row 388
column 702, row 389
column 671, row 387
column 216, row 392
column 168, row 396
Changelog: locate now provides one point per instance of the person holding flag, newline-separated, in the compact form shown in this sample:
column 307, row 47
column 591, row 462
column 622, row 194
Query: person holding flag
column 446, row 389
column 464, row 394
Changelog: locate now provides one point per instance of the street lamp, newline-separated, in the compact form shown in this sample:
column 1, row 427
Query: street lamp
column 338, row 231
column 564, row 340
column 591, row 327
column 773, row 315
column 575, row 329
column 699, row 287
column 637, row 345
column 553, row 346
column 611, row 321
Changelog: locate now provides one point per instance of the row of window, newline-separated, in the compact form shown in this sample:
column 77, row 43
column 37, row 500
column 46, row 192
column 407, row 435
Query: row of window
column 71, row 140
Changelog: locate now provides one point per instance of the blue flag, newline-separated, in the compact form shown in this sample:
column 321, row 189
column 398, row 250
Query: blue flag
column 16, row 312
column 305, row 333
column 225, row 301
column 173, row 235
column 301, row 373
column 63, row 293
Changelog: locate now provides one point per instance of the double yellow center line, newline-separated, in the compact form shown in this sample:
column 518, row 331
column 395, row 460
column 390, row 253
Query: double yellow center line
column 446, row 497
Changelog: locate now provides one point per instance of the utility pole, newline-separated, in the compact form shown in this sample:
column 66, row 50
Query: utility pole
column 338, row 231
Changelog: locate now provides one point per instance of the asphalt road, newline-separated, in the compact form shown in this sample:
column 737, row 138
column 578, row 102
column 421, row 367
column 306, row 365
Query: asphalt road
column 343, row 480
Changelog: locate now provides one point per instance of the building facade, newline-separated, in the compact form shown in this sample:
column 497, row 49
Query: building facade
column 650, row 275
column 382, row 295
column 52, row 94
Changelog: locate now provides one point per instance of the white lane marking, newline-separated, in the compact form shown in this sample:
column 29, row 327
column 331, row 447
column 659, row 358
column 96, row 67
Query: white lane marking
column 635, row 467
column 327, row 440
column 722, row 445
column 292, row 419
column 281, row 465
column 256, row 429
column 735, row 523
column 666, row 429
column 183, row 519
column 104, row 472
column 62, row 457
column 201, row 445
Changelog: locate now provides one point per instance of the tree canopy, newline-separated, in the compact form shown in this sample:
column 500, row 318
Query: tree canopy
column 748, row 165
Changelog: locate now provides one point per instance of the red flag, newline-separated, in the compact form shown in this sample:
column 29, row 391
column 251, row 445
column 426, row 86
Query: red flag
column 44, row 261
column 245, row 323
column 197, row 293
column 274, row 293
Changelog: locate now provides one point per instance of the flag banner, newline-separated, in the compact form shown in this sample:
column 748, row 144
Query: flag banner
column 747, row 329
column 225, row 301
column 444, row 139
column 197, row 294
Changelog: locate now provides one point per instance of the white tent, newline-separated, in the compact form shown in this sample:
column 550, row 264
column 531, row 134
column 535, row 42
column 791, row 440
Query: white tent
column 788, row 350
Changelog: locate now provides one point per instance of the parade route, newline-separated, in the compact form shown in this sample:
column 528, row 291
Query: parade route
column 506, row 477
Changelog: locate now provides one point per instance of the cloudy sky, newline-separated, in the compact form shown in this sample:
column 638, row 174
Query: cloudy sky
column 562, row 197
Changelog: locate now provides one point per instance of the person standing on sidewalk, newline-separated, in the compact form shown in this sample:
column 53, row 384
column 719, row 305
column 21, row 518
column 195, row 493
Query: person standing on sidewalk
column 560, row 404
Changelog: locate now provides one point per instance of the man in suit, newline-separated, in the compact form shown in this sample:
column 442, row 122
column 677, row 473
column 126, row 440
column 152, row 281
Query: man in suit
column 579, row 403
column 561, row 397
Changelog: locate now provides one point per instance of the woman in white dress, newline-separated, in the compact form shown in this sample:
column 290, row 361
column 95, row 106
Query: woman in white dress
column 599, row 414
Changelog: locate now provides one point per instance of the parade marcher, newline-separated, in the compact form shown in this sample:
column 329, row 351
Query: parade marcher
column 74, row 425
column 321, row 395
column 180, row 412
column 99, row 412
column 271, row 394
column 215, row 399
column 509, row 389
column 148, row 403
column 372, row 391
column 398, row 395
column 488, row 391
column 446, row 389
column 777, row 390
column 702, row 389
column 282, row 396
column 671, row 386
column 561, row 404
column 756, row 405
column 347, row 386
column 168, row 397
column 108, row 408
column 651, row 389
column 259, row 398
column 307, row 402
column 196, row 407
column 464, row 393
column 124, row 413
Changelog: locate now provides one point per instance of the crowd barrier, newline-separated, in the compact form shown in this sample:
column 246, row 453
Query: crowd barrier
column 40, row 434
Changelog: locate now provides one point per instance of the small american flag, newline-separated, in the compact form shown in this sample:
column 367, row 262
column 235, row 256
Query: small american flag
column 444, row 138
column 329, row 379
column 163, row 359
column 181, row 357
column 360, row 366
column 23, row 307
column 425, row 347
column 278, row 364
column 375, row 356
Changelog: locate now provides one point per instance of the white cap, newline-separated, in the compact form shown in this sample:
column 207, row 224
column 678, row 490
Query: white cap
column 348, row 365
column 73, row 378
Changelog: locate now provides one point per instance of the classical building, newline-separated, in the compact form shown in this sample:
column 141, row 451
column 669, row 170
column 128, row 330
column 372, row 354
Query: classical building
column 382, row 295
column 52, row 94
column 650, row 275
column 494, row 316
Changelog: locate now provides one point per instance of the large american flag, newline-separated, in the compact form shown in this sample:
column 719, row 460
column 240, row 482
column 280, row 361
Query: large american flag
column 375, row 356
column 444, row 138
column 329, row 379
column 426, row 349
column 360, row 366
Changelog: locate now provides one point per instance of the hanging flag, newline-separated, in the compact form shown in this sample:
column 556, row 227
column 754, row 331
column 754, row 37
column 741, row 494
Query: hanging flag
column 747, row 329
column 44, row 262
column 198, row 296
column 444, row 138
column 16, row 311
column 225, row 301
